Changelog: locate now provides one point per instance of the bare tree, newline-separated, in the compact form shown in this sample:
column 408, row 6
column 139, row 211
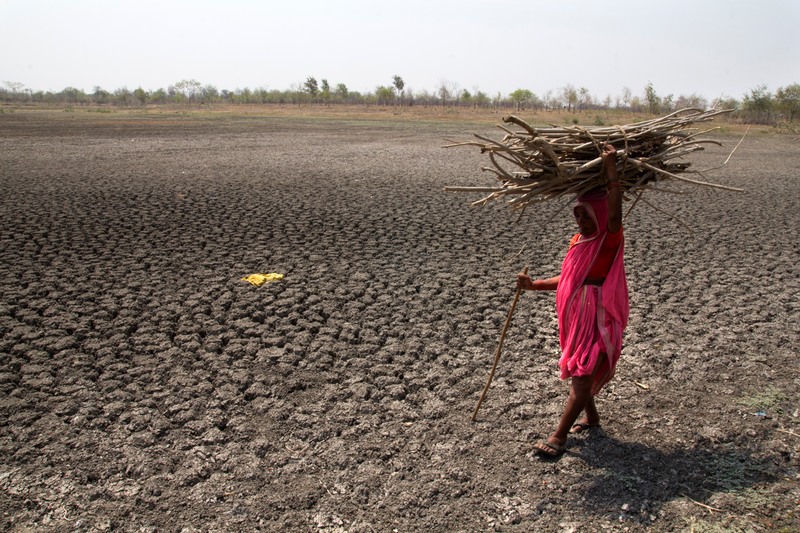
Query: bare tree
column 569, row 96
column 189, row 88
column 548, row 100
column 446, row 91
column 585, row 98
column 626, row 96
column 14, row 86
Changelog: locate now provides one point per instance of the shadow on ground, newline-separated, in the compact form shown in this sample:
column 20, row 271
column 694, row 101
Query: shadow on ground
column 636, row 479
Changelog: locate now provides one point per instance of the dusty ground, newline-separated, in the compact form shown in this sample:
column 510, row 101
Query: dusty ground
column 145, row 387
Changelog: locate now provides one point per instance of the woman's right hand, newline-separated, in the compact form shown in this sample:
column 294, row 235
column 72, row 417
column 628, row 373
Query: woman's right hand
column 524, row 282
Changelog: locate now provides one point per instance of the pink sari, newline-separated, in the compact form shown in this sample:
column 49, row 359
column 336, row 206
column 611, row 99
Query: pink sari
column 591, row 318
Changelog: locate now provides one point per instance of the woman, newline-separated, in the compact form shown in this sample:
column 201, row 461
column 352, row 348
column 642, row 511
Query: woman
column 591, row 302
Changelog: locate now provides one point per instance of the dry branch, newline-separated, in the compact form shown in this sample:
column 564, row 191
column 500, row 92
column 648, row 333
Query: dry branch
column 539, row 164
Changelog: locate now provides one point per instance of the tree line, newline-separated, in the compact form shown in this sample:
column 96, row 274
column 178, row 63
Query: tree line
column 759, row 105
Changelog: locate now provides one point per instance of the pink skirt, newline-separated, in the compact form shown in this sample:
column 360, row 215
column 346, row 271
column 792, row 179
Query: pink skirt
column 589, row 337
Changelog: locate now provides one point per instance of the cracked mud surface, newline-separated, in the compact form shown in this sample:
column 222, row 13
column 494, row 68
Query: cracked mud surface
column 145, row 387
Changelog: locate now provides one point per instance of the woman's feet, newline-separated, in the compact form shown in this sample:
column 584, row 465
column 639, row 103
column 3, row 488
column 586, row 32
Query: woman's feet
column 551, row 446
column 583, row 425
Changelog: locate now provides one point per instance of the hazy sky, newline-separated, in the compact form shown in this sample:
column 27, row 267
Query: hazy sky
column 711, row 48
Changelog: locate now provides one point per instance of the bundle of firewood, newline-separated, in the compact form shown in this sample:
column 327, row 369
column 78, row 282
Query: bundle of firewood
column 538, row 164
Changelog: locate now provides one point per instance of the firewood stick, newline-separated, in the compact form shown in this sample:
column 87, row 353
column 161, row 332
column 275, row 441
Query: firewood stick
column 681, row 178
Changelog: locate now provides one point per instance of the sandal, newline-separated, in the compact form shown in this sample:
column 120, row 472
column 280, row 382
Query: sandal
column 552, row 449
column 580, row 427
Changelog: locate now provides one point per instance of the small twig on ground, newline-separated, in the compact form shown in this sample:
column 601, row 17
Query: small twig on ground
column 789, row 432
column 708, row 507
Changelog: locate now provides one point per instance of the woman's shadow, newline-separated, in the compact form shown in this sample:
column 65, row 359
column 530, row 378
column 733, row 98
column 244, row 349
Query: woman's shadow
column 639, row 479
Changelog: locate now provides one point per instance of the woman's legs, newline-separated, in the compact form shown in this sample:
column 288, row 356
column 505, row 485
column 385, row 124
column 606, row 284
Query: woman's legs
column 591, row 419
column 580, row 394
column 580, row 399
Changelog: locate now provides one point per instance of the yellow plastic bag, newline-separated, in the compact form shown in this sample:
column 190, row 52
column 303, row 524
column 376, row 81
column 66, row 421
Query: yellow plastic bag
column 260, row 279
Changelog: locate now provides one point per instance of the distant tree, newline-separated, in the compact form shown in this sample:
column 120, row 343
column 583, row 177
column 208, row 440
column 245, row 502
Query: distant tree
column 520, row 97
column 17, row 92
column 549, row 101
column 481, row 99
column 244, row 96
column 757, row 105
column 209, row 94
column 569, row 96
column 40, row 96
column 123, row 96
column 399, row 85
column 159, row 96
column 341, row 91
column 409, row 98
column 443, row 92
column 384, row 95
column 788, row 99
column 584, row 98
column 355, row 97
column 189, row 88
column 759, row 99
column 311, row 86
column 325, row 91
column 447, row 91
column 14, row 86
column 71, row 95
column 626, row 96
column 693, row 101
column 298, row 93
column 725, row 102
column 140, row 96
column 668, row 103
column 652, row 99
column 100, row 96
column 425, row 98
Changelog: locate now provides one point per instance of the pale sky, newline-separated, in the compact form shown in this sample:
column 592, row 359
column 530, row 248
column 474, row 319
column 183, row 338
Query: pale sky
column 710, row 48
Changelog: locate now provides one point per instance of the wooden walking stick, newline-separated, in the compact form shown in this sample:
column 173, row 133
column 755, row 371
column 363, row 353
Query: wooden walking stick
column 499, row 348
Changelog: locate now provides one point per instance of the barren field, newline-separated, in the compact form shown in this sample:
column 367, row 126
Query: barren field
column 145, row 387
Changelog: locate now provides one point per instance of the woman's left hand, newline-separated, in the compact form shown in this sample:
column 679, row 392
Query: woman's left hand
column 609, row 150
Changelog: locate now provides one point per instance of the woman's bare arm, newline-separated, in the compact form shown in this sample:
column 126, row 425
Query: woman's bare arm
column 526, row 283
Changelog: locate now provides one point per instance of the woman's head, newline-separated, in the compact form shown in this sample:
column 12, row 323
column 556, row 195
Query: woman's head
column 585, row 219
column 591, row 212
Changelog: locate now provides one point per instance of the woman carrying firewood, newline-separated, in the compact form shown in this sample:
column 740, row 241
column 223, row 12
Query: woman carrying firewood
column 591, row 302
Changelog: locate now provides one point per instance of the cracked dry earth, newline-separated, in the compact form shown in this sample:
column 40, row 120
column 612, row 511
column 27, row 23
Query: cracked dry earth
column 145, row 387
